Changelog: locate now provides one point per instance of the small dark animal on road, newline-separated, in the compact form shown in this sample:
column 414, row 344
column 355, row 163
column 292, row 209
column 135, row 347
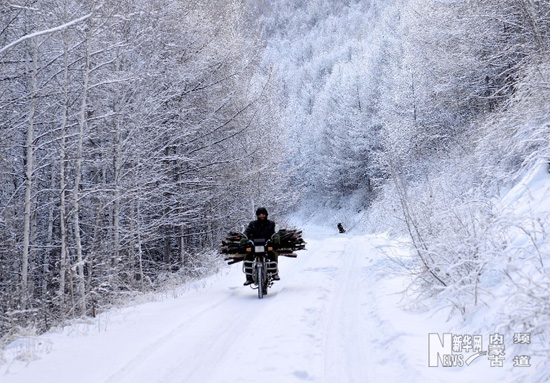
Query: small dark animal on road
column 341, row 228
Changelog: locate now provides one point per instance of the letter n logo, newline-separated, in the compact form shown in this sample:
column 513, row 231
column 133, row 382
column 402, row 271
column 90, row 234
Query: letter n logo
column 437, row 348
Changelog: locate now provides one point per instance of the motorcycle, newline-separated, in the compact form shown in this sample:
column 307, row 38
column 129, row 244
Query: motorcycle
column 260, row 269
column 255, row 255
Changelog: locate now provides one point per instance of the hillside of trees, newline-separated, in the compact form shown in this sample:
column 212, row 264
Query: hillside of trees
column 423, row 113
column 136, row 133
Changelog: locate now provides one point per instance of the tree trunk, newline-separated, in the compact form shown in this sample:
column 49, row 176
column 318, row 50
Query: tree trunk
column 116, row 205
column 62, row 186
column 78, row 177
column 29, row 168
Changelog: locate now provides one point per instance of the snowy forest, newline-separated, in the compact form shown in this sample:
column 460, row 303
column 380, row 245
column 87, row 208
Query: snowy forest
column 136, row 133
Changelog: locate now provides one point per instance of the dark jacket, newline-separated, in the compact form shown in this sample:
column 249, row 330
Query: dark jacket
column 260, row 229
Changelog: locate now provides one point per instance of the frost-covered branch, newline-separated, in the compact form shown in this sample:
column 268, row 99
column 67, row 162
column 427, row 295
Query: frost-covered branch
column 45, row 32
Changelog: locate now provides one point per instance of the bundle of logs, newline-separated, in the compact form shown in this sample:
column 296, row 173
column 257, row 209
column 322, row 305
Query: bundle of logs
column 289, row 240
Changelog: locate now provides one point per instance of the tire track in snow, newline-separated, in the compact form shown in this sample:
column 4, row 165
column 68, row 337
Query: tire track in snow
column 143, row 354
column 346, row 330
column 196, row 342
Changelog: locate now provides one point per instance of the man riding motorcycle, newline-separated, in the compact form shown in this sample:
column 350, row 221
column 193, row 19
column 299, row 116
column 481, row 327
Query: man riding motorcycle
column 261, row 228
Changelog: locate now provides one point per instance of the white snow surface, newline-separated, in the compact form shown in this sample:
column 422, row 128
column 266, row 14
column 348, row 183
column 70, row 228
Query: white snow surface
column 334, row 317
column 337, row 315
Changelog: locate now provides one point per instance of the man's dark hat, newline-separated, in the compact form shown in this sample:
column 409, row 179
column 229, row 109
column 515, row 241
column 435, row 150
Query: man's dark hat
column 261, row 210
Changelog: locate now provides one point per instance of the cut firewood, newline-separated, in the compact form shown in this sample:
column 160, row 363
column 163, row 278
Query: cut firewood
column 285, row 243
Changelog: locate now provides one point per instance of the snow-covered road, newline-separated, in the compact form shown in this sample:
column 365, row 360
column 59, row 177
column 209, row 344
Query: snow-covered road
column 333, row 317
